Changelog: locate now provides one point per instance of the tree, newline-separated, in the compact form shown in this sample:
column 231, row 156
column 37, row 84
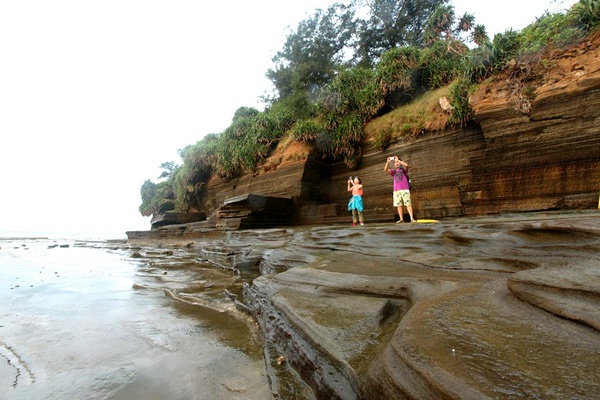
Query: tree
column 392, row 23
column 311, row 54
column 443, row 59
column 479, row 35
column 442, row 25
column 156, row 198
column 169, row 168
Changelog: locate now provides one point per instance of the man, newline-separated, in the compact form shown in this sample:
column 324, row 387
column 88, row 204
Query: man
column 401, row 186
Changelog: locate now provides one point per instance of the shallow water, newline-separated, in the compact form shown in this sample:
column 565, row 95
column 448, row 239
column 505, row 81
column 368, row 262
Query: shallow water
column 87, row 320
column 110, row 320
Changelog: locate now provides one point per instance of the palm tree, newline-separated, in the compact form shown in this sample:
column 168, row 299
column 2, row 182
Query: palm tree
column 465, row 24
column 479, row 35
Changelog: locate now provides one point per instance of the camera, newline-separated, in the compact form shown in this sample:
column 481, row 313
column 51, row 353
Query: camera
column 390, row 158
column 351, row 179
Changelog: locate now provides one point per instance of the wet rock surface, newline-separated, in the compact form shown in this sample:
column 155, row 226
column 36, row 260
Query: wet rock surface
column 488, row 307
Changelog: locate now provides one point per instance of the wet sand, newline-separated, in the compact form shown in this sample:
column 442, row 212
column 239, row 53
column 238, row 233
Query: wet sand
column 86, row 321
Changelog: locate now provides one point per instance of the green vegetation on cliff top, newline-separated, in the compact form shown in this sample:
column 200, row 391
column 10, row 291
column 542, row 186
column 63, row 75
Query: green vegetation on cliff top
column 341, row 81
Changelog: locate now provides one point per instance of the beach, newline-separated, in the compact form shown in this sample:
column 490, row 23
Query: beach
column 85, row 319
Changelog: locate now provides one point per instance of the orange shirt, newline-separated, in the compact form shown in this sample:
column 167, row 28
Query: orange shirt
column 357, row 190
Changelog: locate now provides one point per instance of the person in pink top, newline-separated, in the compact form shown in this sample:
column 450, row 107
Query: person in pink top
column 356, row 204
column 401, row 186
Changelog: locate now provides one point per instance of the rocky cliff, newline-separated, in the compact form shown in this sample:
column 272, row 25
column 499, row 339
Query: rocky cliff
column 535, row 145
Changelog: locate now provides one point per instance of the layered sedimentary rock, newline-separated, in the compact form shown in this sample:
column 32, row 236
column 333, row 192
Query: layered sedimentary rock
column 254, row 211
column 534, row 146
column 174, row 218
column 547, row 155
column 469, row 308
column 478, row 309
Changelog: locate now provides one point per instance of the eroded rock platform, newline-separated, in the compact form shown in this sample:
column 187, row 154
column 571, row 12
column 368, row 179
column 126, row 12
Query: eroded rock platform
column 498, row 309
column 489, row 307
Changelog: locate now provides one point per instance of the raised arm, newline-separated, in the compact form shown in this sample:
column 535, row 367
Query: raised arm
column 387, row 163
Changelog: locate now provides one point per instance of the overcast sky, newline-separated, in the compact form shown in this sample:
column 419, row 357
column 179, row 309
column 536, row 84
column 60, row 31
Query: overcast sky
column 95, row 95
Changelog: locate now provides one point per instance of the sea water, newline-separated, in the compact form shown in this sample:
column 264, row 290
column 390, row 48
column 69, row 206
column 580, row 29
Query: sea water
column 80, row 318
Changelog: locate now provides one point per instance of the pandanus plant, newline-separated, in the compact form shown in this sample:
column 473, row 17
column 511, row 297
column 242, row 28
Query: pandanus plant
column 588, row 12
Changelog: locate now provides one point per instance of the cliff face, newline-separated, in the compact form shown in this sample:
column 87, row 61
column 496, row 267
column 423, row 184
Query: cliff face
column 549, row 157
column 535, row 146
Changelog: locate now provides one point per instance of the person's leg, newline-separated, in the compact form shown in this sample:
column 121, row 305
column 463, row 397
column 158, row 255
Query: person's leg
column 408, row 203
column 360, row 218
column 400, row 214
column 397, row 196
column 410, row 212
column 354, row 217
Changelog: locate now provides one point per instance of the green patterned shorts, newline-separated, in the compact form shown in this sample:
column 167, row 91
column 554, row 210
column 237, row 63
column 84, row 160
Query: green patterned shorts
column 401, row 198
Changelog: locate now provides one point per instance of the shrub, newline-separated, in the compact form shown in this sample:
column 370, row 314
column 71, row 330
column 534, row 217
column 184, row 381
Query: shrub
column 306, row 130
column 384, row 138
column 586, row 13
column 490, row 57
column 438, row 66
column 155, row 197
column 352, row 91
column 199, row 161
column 397, row 70
column 249, row 140
column 462, row 112
column 549, row 30
column 351, row 99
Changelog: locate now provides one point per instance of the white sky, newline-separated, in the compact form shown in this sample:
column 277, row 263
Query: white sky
column 95, row 95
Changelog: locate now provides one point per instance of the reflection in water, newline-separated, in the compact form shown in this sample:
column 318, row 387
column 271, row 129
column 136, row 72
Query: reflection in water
column 501, row 306
column 87, row 321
